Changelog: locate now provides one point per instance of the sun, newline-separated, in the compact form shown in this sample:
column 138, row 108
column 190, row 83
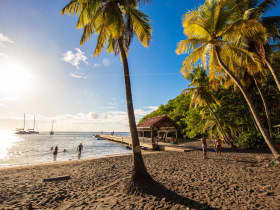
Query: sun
column 15, row 79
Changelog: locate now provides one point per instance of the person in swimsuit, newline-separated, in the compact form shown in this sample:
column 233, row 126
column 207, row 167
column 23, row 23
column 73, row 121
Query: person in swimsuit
column 204, row 147
column 55, row 153
column 218, row 145
column 80, row 148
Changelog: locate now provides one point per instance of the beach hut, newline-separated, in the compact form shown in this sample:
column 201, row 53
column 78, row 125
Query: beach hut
column 160, row 128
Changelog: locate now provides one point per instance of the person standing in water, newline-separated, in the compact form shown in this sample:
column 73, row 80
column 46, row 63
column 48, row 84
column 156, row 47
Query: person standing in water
column 55, row 153
column 80, row 149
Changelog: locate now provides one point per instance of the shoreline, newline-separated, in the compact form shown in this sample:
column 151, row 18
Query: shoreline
column 62, row 162
column 66, row 162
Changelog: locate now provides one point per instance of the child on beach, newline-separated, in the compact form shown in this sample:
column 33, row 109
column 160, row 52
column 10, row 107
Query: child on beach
column 218, row 145
column 204, row 147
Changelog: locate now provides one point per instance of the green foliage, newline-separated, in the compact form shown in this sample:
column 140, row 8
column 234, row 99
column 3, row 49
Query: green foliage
column 194, row 123
column 251, row 140
column 176, row 109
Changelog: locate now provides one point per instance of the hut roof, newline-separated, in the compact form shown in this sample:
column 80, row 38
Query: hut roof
column 159, row 121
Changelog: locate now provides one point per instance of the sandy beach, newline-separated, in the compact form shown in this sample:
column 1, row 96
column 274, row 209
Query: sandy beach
column 230, row 181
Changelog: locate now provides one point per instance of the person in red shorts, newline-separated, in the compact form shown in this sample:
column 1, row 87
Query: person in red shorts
column 204, row 147
column 218, row 145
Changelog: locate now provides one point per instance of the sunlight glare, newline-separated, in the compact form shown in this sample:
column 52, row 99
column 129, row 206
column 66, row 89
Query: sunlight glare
column 15, row 79
column 7, row 140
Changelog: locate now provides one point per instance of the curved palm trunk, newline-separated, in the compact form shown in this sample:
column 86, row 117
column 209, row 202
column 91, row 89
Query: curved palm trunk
column 250, row 104
column 261, row 52
column 139, row 168
column 220, row 126
column 265, row 108
column 273, row 73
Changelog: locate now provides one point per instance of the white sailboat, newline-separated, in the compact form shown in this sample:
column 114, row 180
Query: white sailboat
column 21, row 131
column 32, row 130
column 51, row 132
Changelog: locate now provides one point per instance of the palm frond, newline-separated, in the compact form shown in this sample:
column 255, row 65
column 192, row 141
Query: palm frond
column 140, row 24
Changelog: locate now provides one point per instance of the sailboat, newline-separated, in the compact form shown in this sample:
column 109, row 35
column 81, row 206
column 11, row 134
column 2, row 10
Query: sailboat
column 51, row 132
column 32, row 130
column 20, row 131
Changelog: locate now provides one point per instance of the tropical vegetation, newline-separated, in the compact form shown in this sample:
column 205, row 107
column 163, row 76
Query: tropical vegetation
column 238, row 48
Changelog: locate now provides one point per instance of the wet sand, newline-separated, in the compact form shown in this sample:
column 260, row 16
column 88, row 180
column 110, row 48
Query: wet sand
column 230, row 181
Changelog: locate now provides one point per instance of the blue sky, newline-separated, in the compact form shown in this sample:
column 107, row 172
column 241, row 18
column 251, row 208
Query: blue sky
column 62, row 80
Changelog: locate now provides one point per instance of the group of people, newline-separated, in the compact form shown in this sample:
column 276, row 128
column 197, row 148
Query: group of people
column 79, row 150
column 218, row 146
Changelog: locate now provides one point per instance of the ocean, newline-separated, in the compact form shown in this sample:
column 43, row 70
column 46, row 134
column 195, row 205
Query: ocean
column 16, row 150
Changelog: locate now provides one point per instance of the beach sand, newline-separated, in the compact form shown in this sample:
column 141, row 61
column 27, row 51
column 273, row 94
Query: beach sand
column 230, row 181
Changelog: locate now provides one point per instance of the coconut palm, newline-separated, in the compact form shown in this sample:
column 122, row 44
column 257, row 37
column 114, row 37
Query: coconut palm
column 203, row 96
column 205, row 29
column 115, row 22
column 265, row 29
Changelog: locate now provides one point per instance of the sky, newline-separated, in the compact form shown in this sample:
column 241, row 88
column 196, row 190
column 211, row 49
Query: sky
column 45, row 72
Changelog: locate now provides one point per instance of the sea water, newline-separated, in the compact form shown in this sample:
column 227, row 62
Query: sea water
column 36, row 148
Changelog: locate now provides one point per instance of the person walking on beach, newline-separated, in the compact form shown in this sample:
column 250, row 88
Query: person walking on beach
column 55, row 153
column 204, row 147
column 218, row 145
column 80, row 148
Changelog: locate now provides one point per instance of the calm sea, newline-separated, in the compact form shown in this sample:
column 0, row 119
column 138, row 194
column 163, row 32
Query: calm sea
column 32, row 149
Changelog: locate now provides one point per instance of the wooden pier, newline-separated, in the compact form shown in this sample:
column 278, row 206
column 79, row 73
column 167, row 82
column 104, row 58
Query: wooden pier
column 144, row 144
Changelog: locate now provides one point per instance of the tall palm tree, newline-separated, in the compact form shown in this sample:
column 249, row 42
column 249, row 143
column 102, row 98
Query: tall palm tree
column 203, row 96
column 205, row 29
column 115, row 22
column 266, row 29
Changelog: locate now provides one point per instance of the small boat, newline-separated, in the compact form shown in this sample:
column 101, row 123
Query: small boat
column 32, row 130
column 51, row 132
column 21, row 131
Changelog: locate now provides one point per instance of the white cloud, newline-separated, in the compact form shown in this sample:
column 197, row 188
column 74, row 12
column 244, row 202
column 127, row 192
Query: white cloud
column 106, row 62
column 3, row 105
column 78, row 76
column 10, row 98
column 97, row 65
column 90, row 121
column 6, row 39
column 3, row 55
column 75, row 59
column 139, row 113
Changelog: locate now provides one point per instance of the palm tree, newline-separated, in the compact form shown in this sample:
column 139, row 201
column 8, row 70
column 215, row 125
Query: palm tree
column 115, row 22
column 266, row 29
column 205, row 29
column 202, row 96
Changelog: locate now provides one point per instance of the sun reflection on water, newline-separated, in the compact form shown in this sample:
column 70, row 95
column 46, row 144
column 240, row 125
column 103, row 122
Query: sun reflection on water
column 7, row 140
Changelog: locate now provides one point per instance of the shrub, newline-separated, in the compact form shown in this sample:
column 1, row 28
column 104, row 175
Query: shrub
column 251, row 140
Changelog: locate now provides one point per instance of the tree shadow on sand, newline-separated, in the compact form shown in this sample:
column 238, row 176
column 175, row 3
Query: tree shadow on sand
column 159, row 191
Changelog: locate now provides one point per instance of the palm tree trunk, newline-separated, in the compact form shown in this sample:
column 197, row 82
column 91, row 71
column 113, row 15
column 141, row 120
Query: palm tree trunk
column 220, row 126
column 139, row 168
column 250, row 104
column 265, row 108
column 273, row 73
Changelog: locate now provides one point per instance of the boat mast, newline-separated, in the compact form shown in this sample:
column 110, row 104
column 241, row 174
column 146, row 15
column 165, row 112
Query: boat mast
column 24, row 121
column 52, row 125
column 34, row 123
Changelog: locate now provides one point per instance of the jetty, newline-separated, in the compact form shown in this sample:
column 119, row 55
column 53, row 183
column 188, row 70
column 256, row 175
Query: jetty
column 145, row 144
